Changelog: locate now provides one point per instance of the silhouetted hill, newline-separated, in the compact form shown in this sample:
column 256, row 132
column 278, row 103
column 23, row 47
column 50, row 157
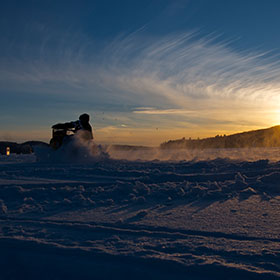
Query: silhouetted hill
column 130, row 147
column 23, row 148
column 269, row 137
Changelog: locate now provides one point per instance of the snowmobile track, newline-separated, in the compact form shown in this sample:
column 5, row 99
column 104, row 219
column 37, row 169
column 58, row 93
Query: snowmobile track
column 136, row 243
column 130, row 229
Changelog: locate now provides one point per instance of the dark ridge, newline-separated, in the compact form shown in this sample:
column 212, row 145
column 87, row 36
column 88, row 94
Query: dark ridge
column 23, row 148
column 269, row 137
column 130, row 147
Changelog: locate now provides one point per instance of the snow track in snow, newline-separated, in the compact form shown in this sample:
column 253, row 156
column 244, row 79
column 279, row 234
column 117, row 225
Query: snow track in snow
column 131, row 229
column 192, row 250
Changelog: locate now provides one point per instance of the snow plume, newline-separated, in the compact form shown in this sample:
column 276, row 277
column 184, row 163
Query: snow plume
column 77, row 150
column 150, row 154
column 74, row 150
column 80, row 151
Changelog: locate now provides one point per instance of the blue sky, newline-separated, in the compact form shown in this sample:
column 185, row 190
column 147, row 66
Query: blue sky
column 146, row 71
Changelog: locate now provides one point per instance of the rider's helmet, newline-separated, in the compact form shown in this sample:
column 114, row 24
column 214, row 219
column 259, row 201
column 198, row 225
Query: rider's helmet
column 84, row 118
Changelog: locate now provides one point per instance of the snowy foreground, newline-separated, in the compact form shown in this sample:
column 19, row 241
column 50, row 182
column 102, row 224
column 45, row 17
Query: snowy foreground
column 117, row 219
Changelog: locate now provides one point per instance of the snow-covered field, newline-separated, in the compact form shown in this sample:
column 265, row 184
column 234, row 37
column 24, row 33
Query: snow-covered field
column 202, row 218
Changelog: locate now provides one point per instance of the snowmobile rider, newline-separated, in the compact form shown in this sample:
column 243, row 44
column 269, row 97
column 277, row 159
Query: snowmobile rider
column 81, row 127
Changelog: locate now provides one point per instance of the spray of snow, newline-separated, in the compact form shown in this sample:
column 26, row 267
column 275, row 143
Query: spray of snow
column 149, row 154
column 91, row 152
column 74, row 150
column 79, row 150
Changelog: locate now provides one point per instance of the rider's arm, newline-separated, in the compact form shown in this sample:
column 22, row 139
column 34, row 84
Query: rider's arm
column 64, row 125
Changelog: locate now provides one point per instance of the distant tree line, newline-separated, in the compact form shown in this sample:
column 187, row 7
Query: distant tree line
column 269, row 137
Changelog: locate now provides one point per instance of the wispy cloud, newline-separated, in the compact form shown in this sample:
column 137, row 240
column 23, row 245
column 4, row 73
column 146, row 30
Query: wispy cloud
column 163, row 112
column 179, row 68
column 184, row 69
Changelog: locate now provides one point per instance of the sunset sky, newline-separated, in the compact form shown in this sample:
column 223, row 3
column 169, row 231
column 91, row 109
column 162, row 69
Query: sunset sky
column 146, row 71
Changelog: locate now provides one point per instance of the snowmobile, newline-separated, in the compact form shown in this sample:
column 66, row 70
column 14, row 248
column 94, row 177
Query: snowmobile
column 68, row 145
column 59, row 136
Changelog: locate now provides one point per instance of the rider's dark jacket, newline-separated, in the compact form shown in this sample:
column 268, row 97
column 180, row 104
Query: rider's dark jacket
column 77, row 125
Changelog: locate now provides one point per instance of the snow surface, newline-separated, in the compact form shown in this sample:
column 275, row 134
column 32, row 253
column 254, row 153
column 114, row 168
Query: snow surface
column 119, row 219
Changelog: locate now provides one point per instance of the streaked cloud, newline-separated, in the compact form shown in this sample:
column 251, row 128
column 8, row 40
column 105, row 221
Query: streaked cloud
column 173, row 70
column 144, row 108
column 163, row 112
